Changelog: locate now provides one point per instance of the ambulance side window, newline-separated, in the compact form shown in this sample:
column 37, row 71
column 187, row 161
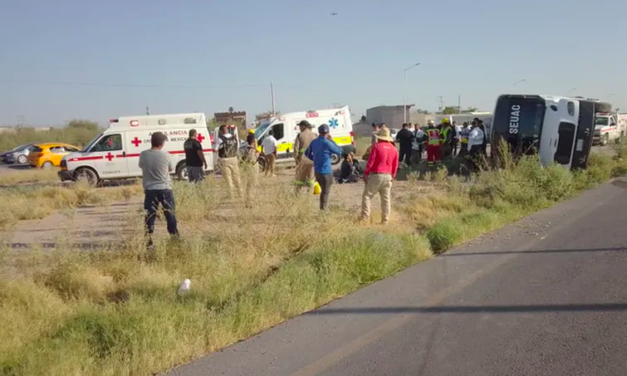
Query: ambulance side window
column 279, row 131
column 112, row 142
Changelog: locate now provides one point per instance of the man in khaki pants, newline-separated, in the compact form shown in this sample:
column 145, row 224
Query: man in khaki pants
column 380, row 171
column 304, row 165
column 228, row 152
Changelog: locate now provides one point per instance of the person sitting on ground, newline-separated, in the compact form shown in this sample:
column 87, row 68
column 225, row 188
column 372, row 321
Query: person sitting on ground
column 350, row 171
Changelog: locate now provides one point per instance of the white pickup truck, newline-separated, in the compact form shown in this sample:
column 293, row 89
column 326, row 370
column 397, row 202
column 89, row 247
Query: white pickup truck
column 609, row 127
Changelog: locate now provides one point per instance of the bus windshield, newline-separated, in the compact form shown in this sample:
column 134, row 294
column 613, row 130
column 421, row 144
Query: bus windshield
column 518, row 120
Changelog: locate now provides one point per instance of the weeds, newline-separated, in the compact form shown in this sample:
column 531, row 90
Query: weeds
column 114, row 312
column 37, row 202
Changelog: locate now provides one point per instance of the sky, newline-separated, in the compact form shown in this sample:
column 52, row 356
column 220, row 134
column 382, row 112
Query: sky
column 96, row 60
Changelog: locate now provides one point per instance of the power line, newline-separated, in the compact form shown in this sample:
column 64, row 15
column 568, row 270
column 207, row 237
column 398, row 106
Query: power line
column 135, row 85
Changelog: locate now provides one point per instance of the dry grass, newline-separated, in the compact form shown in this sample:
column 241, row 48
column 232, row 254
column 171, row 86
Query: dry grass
column 36, row 201
column 114, row 312
column 15, row 177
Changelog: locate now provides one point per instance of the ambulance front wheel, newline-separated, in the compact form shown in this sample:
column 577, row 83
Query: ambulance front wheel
column 88, row 175
column 335, row 159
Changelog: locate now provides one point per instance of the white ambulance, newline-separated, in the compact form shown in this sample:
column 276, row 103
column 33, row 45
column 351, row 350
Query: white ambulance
column 114, row 154
column 285, row 129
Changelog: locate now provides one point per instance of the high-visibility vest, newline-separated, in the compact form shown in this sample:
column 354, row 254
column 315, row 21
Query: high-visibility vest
column 434, row 137
column 445, row 131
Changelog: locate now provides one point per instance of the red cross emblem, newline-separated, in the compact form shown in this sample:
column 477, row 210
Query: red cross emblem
column 136, row 141
column 200, row 137
column 109, row 157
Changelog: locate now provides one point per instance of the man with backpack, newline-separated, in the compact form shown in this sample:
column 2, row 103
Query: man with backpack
column 228, row 152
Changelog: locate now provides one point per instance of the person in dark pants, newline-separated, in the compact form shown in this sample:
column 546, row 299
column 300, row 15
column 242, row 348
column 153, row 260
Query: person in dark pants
column 194, row 158
column 320, row 151
column 405, row 139
column 476, row 141
column 156, row 167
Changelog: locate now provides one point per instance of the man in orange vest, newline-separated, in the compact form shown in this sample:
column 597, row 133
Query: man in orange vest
column 434, row 152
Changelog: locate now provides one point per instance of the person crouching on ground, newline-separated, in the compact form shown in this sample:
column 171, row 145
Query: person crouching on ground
column 380, row 171
column 320, row 151
column 350, row 169
column 156, row 166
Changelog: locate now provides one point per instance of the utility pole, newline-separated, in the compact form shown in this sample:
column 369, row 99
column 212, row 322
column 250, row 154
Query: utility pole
column 147, row 110
column 459, row 103
column 273, row 101
column 405, row 91
column 20, row 121
column 441, row 103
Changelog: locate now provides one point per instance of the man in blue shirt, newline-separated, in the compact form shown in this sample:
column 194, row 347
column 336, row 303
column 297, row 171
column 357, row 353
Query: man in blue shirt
column 320, row 151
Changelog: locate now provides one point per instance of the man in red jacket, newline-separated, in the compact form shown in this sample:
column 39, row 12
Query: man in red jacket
column 380, row 171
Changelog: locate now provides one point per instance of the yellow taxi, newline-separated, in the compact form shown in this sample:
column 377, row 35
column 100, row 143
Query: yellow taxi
column 49, row 154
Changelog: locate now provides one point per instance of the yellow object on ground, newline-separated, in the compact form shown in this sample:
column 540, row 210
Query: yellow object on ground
column 317, row 189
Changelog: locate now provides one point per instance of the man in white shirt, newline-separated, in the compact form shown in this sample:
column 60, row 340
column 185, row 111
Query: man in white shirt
column 418, row 145
column 475, row 144
column 269, row 149
column 456, row 137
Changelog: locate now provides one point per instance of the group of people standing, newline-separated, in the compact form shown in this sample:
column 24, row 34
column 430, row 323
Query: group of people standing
column 313, row 155
column 441, row 141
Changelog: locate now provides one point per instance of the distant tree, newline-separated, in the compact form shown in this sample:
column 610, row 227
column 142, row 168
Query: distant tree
column 452, row 110
column 421, row 111
column 363, row 119
column 212, row 124
column 83, row 124
column 231, row 109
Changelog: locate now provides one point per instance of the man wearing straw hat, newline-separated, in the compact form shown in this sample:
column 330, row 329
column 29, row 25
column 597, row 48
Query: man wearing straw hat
column 380, row 171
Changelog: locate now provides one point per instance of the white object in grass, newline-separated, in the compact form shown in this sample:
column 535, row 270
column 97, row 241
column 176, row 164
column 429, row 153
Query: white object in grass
column 184, row 287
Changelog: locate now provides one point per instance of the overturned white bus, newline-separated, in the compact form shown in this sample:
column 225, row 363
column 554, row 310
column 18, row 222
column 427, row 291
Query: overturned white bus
column 559, row 129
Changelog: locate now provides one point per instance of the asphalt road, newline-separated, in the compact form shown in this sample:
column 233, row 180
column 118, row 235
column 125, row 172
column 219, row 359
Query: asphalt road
column 546, row 296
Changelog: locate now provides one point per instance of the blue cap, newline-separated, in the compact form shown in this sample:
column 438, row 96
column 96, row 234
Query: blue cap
column 323, row 129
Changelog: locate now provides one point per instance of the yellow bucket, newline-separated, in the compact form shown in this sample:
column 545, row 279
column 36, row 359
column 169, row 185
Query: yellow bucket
column 317, row 189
